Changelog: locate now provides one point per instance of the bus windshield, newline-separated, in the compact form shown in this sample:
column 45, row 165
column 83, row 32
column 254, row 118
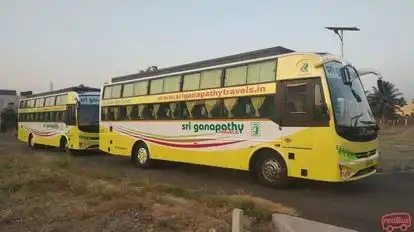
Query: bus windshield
column 88, row 115
column 349, row 102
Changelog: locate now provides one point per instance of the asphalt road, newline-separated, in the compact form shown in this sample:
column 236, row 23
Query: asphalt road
column 358, row 205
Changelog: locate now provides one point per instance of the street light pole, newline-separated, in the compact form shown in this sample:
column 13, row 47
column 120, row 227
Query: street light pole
column 340, row 32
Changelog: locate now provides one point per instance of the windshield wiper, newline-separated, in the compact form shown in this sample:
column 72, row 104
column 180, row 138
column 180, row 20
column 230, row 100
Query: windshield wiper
column 357, row 97
column 376, row 127
column 356, row 119
column 368, row 122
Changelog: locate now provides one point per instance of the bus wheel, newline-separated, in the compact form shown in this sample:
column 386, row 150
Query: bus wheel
column 64, row 145
column 141, row 156
column 31, row 142
column 271, row 170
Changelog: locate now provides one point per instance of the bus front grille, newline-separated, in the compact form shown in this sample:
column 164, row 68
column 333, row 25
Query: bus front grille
column 366, row 154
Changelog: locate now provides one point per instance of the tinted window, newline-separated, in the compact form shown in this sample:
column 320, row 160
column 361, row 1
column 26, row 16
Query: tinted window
column 296, row 98
column 171, row 84
column 156, row 86
column 235, row 76
column 210, row 79
column 191, row 82
column 116, row 91
column 107, row 92
column 140, row 88
column 128, row 90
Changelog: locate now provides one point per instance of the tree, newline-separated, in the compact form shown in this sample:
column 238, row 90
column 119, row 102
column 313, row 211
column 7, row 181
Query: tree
column 8, row 117
column 385, row 104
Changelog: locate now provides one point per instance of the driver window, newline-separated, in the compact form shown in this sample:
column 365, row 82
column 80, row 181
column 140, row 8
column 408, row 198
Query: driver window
column 304, row 103
column 296, row 98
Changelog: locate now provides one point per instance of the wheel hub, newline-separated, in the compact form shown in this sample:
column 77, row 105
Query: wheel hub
column 142, row 155
column 271, row 170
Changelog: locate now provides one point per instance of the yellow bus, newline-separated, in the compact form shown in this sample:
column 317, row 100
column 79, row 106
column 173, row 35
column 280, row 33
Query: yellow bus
column 66, row 118
column 275, row 112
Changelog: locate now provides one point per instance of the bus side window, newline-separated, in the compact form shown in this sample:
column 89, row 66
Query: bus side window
column 241, row 107
column 296, row 99
column 184, row 113
column 63, row 116
column 111, row 115
column 122, row 114
column 216, row 110
column 58, row 116
column 147, row 112
column 164, row 111
column 268, row 107
column 176, row 110
column 52, row 116
column 132, row 112
column 104, row 113
column 205, row 108
column 116, row 113
column 155, row 110
column 71, row 115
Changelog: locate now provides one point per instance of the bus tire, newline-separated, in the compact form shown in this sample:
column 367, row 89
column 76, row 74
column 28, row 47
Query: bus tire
column 64, row 145
column 141, row 155
column 271, row 169
column 31, row 142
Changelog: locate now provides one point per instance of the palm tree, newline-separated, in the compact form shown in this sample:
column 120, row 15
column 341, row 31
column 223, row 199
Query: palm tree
column 385, row 103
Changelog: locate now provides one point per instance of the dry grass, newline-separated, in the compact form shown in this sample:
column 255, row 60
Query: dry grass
column 397, row 152
column 41, row 192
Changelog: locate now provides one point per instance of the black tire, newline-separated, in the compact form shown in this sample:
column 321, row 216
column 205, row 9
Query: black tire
column 64, row 147
column 141, row 156
column 31, row 142
column 271, row 170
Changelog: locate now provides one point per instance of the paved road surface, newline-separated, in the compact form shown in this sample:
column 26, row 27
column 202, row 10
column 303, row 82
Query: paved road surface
column 358, row 205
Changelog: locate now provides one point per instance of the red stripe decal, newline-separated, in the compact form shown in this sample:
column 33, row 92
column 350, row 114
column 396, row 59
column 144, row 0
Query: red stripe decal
column 181, row 145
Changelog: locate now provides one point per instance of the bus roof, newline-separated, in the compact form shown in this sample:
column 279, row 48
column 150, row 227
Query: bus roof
column 78, row 89
column 273, row 51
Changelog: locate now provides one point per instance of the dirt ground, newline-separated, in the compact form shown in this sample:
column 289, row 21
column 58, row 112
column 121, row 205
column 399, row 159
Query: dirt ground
column 44, row 190
column 396, row 149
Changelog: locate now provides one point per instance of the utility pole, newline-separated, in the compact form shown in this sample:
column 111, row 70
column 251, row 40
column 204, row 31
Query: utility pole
column 51, row 86
column 340, row 32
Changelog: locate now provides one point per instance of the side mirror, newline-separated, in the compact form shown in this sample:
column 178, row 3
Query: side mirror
column 345, row 75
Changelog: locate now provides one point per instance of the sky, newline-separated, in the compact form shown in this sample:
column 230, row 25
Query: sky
column 72, row 42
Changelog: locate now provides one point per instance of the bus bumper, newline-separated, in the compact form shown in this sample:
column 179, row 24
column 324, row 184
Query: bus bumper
column 358, row 169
